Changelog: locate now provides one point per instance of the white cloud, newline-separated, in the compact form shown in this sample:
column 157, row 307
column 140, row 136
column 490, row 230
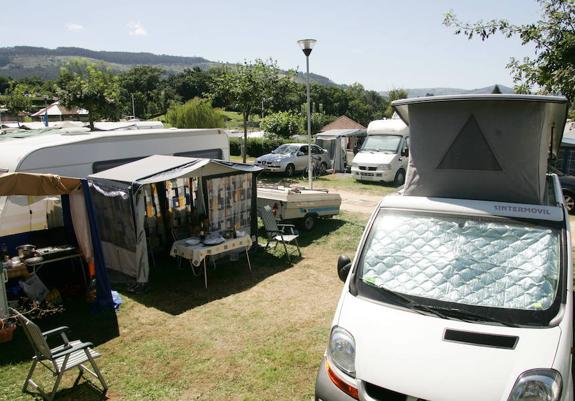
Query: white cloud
column 74, row 27
column 137, row 29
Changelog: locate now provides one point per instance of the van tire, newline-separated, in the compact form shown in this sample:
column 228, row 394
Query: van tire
column 290, row 170
column 569, row 201
column 399, row 178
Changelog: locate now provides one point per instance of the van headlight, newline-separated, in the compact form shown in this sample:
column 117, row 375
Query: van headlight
column 341, row 350
column 537, row 385
column 384, row 167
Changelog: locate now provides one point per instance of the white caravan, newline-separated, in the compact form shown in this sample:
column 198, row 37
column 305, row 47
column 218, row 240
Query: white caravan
column 79, row 153
column 460, row 288
column 384, row 154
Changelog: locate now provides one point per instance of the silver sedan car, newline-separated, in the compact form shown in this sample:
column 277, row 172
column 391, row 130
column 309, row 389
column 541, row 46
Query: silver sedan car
column 292, row 157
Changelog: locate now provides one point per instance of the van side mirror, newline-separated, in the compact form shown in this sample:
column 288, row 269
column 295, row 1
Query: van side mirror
column 300, row 153
column 405, row 152
column 343, row 267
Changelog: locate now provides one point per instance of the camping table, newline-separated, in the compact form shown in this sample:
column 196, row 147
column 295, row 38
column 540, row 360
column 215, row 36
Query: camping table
column 71, row 257
column 199, row 253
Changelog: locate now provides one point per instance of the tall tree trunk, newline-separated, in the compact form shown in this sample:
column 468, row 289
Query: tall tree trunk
column 245, row 145
column 91, row 121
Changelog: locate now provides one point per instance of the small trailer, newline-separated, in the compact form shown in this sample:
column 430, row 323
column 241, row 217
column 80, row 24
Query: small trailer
column 299, row 204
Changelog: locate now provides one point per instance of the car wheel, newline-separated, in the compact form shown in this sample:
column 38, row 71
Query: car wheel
column 399, row 178
column 290, row 170
column 322, row 168
column 308, row 222
column 569, row 201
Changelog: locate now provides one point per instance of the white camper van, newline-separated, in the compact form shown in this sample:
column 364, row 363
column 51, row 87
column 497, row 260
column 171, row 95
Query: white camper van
column 460, row 289
column 384, row 154
column 79, row 153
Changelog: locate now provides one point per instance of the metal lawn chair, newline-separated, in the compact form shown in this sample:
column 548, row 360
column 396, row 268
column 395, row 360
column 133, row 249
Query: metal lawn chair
column 279, row 232
column 67, row 356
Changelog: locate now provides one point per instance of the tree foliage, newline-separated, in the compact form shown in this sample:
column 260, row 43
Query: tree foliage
column 90, row 87
column 196, row 113
column 19, row 97
column 283, row 124
column 245, row 86
column 394, row 94
column 552, row 69
column 146, row 85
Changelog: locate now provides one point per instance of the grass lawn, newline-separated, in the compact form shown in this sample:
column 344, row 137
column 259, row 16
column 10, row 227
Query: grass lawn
column 258, row 336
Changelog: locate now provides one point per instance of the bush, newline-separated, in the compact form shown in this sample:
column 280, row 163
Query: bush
column 283, row 124
column 196, row 113
column 256, row 146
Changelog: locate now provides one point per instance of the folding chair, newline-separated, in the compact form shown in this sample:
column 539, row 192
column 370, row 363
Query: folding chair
column 277, row 232
column 69, row 355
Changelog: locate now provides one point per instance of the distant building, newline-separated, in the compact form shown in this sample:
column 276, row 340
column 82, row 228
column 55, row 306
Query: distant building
column 343, row 122
column 57, row 112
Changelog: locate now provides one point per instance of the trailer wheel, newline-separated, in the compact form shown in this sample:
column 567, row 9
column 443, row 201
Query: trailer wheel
column 308, row 222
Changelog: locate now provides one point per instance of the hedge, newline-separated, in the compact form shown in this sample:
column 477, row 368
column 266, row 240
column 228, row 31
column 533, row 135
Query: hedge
column 257, row 146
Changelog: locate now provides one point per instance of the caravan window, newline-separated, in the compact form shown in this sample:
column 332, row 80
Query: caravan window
column 495, row 263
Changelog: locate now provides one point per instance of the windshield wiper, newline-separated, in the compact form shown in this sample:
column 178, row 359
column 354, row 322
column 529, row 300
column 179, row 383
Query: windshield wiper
column 470, row 316
column 411, row 304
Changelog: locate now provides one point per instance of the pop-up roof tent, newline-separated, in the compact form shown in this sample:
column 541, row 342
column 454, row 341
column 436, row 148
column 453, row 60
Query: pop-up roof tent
column 82, row 218
column 485, row 147
column 337, row 142
column 120, row 203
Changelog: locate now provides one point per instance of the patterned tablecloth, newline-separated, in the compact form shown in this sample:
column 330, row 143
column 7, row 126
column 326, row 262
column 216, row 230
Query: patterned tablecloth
column 197, row 253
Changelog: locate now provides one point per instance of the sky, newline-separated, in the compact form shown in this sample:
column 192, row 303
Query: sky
column 382, row 44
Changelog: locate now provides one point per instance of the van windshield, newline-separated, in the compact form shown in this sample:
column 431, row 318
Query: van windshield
column 464, row 260
column 382, row 143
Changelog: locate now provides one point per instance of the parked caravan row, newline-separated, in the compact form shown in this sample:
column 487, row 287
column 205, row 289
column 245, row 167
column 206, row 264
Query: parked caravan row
column 78, row 153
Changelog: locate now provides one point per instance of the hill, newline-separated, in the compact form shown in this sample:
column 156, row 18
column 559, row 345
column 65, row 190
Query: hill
column 25, row 61
column 418, row 92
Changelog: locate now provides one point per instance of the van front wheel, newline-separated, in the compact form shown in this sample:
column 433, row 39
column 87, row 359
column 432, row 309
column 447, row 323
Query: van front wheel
column 399, row 178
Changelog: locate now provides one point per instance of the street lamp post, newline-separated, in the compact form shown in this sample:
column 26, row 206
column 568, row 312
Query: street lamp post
column 307, row 46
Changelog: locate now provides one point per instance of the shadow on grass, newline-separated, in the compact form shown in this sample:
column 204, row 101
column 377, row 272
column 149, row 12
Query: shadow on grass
column 85, row 391
column 86, row 325
column 175, row 290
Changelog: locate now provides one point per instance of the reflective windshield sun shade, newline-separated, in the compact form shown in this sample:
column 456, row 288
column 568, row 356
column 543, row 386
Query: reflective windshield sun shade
column 464, row 260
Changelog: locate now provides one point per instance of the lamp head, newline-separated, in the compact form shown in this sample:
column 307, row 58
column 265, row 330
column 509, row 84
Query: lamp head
column 307, row 45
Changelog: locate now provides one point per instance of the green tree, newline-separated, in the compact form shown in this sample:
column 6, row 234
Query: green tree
column 148, row 88
column 394, row 94
column 190, row 83
column 196, row 113
column 552, row 69
column 19, row 98
column 91, row 87
column 283, row 124
column 244, row 86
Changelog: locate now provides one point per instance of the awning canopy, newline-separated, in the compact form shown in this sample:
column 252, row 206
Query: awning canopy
column 159, row 168
column 37, row 184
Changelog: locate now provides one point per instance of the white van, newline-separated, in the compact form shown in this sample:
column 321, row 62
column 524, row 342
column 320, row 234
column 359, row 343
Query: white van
column 384, row 154
column 459, row 290
column 79, row 153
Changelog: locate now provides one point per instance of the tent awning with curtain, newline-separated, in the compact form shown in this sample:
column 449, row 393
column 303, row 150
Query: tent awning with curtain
column 33, row 184
column 120, row 202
